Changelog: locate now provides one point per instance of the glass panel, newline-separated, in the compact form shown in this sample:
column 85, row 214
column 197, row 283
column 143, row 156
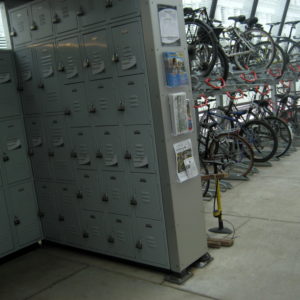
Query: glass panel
column 293, row 14
column 196, row 4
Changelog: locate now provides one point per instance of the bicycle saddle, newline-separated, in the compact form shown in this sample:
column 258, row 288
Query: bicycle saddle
column 188, row 11
column 261, row 103
column 251, row 21
column 240, row 18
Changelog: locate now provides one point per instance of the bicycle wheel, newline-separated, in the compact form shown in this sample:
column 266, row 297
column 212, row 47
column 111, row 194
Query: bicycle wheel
column 283, row 134
column 262, row 138
column 262, row 54
column 202, row 47
column 279, row 63
column 221, row 66
column 234, row 152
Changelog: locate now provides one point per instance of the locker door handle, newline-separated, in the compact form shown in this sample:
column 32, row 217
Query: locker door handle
column 30, row 152
column 99, row 154
column 51, row 153
column 108, row 3
column 133, row 202
column 79, row 195
column 73, row 154
column 80, row 12
column 92, row 109
column 127, row 155
column 67, row 112
column 41, row 85
column 121, row 107
column 5, row 158
column 60, row 67
column 55, row 19
column 33, row 26
column 85, row 235
column 115, row 57
column 61, row 218
column 17, row 221
column 86, row 63
column 105, row 198
column 41, row 214
column 13, row 33
column 110, row 239
column 139, row 245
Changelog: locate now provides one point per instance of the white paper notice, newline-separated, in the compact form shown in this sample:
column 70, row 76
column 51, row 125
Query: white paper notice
column 185, row 163
column 169, row 29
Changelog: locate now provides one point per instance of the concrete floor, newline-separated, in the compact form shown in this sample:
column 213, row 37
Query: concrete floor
column 264, row 262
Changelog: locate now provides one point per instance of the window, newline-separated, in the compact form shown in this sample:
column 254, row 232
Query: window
column 196, row 4
column 293, row 14
column 4, row 34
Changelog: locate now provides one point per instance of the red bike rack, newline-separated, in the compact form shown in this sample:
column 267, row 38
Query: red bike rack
column 287, row 86
column 234, row 97
column 275, row 74
column 203, row 104
column 217, row 87
column 267, row 91
column 253, row 73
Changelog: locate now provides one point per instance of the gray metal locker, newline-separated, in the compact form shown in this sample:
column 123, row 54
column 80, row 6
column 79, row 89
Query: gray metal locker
column 89, row 190
column 49, row 88
column 69, row 62
column 128, row 54
column 83, row 150
column 25, row 218
column 30, row 100
column 94, row 234
column 115, row 193
column 6, row 241
column 59, row 147
column 9, row 101
column 69, row 223
column 150, row 242
column 101, row 98
column 97, row 55
column 64, row 15
column 121, row 8
column 48, row 210
column 145, row 196
column 110, row 147
column 140, row 148
column 41, row 23
column 119, row 236
column 38, row 148
column 14, row 151
column 133, row 94
column 92, row 12
column 20, row 25
column 76, row 109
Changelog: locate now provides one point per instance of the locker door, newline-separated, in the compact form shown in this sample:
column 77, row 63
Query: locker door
column 115, row 195
column 89, row 191
column 119, row 239
column 101, row 98
column 93, row 230
column 48, row 81
column 69, row 62
column 76, row 108
column 37, row 148
column 110, row 149
column 121, row 8
column 93, row 11
column 140, row 149
column 25, row 213
column 83, row 148
column 134, row 96
column 48, row 210
column 14, row 151
column 59, row 147
column 145, row 196
column 68, row 214
column 41, row 25
column 64, row 15
column 30, row 93
column 97, row 60
column 20, row 28
column 9, row 100
column 128, row 53
column 151, row 242
column 6, row 242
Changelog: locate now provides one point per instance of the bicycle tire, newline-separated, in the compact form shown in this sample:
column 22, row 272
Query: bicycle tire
column 280, row 61
column 264, row 52
column 262, row 138
column 221, row 66
column 283, row 133
column 234, row 151
column 202, row 47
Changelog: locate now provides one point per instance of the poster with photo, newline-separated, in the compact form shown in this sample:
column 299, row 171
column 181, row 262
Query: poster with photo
column 186, row 167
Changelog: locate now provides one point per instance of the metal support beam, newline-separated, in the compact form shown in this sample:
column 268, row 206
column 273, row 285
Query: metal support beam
column 254, row 7
column 287, row 4
column 213, row 8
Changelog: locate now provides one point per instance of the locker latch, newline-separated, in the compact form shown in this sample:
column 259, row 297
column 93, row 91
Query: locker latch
column 115, row 57
column 99, row 154
column 30, row 152
column 79, row 195
column 110, row 239
column 73, row 154
column 17, row 221
column 61, row 218
column 105, row 198
column 139, row 245
column 5, row 157
column 127, row 155
column 41, row 85
column 51, row 153
column 108, row 3
column 13, row 33
column 55, row 19
column 41, row 214
column 80, row 12
column 60, row 67
column 133, row 202
column 86, row 63
column 33, row 26
column 67, row 112
column 85, row 235
column 121, row 107
column 92, row 109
